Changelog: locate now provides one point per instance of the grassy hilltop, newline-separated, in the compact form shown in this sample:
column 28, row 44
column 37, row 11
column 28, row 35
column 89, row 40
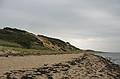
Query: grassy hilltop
column 12, row 39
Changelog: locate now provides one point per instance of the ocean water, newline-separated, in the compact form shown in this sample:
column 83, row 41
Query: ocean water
column 114, row 57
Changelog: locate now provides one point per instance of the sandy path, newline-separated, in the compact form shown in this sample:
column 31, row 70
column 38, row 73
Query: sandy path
column 12, row 63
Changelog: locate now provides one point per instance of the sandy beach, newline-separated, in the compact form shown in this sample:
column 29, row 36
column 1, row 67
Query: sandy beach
column 64, row 66
column 28, row 62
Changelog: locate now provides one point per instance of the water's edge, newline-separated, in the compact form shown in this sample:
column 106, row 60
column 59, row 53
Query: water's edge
column 114, row 57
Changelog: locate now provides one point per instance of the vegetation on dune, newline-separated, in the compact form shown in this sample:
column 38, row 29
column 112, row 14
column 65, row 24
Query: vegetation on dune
column 19, row 42
column 23, row 38
column 57, row 44
column 9, row 44
column 15, row 51
column 12, row 37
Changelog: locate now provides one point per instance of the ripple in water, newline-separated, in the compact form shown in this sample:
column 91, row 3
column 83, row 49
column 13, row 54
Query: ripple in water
column 115, row 57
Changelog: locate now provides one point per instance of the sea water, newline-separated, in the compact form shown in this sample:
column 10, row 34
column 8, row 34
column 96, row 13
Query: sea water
column 114, row 57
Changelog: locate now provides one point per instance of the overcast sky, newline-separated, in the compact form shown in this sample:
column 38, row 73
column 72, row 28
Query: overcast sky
column 87, row 24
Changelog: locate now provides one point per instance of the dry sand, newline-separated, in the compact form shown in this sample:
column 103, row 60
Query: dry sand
column 65, row 66
column 27, row 62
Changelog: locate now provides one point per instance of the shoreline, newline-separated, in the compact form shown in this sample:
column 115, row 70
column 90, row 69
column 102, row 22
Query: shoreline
column 85, row 65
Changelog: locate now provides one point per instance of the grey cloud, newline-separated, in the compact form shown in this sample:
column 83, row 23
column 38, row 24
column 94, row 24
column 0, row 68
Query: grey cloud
column 67, row 19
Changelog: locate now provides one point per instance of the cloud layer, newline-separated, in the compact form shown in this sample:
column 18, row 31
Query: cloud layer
column 89, row 24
